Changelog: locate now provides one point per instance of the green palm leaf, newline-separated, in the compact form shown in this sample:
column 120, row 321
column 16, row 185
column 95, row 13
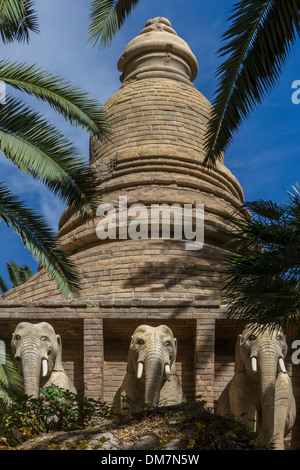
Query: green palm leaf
column 3, row 285
column 262, row 278
column 39, row 149
column 106, row 19
column 11, row 382
column 17, row 19
column 13, row 273
column 25, row 272
column 72, row 103
column 40, row 240
column 257, row 45
column 18, row 274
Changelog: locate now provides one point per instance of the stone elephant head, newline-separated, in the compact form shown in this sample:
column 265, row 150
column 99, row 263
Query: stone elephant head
column 151, row 374
column 37, row 349
column 261, row 390
column 263, row 348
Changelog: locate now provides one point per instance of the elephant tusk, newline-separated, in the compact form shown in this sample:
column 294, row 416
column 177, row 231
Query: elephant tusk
column 168, row 372
column 254, row 364
column 281, row 365
column 140, row 370
column 44, row 367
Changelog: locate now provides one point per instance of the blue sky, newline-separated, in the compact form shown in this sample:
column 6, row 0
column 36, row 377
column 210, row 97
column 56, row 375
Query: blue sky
column 265, row 154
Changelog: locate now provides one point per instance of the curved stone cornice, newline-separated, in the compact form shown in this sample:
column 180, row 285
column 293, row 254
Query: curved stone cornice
column 158, row 52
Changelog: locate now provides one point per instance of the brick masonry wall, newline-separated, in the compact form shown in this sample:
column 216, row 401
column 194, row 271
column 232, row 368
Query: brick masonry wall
column 205, row 359
column 155, row 111
column 226, row 334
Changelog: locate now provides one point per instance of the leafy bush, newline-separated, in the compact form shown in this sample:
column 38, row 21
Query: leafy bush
column 201, row 429
column 193, row 423
column 54, row 410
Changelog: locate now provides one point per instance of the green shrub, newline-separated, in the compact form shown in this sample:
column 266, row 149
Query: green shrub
column 201, row 429
column 54, row 410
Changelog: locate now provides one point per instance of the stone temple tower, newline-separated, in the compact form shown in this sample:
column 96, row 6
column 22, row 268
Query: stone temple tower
column 154, row 157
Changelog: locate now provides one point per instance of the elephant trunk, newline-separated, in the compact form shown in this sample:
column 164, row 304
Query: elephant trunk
column 268, row 361
column 154, row 363
column 31, row 368
column 154, row 369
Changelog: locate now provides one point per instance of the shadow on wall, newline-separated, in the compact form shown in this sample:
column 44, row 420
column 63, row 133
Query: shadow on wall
column 182, row 280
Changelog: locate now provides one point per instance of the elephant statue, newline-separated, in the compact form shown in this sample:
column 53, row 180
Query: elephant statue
column 150, row 375
column 260, row 392
column 37, row 349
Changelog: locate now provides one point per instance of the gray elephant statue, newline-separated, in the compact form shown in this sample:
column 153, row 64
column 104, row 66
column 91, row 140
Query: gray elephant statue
column 37, row 349
column 151, row 375
column 260, row 392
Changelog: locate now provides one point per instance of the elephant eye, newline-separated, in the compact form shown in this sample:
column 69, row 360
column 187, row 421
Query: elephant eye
column 44, row 338
column 18, row 337
column 279, row 337
column 167, row 343
column 140, row 341
column 252, row 337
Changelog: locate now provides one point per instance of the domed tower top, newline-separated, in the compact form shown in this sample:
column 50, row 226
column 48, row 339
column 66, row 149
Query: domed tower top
column 154, row 159
column 158, row 52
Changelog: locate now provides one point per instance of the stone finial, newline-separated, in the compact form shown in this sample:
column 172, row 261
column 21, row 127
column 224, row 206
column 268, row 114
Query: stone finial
column 158, row 52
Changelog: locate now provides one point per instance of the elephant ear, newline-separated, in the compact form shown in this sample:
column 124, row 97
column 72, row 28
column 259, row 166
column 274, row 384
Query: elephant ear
column 58, row 361
column 129, row 366
column 173, row 366
column 239, row 364
column 175, row 343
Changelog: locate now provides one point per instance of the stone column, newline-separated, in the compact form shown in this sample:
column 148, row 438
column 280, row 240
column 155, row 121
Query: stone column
column 204, row 359
column 93, row 351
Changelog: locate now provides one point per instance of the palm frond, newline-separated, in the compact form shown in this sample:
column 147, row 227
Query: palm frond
column 12, row 269
column 40, row 240
column 71, row 102
column 39, row 149
column 17, row 19
column 3, row 285
column 11, row 382
column 261, row 279
column 106, row 19
column 257, row 46
column 27, row 272
column 18, row 274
